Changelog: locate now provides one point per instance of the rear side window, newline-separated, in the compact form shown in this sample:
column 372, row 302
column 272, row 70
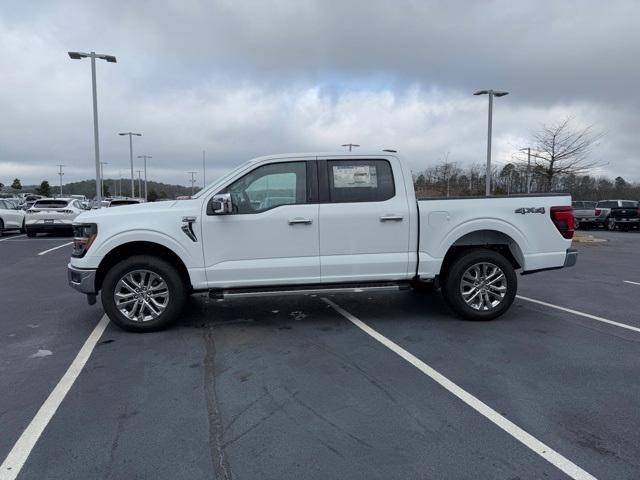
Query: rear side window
column 360, row 181
column 51, row 204
column 628, row 204
column 607, row 204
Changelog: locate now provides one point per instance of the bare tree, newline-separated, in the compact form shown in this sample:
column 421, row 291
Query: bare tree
column 562, row 150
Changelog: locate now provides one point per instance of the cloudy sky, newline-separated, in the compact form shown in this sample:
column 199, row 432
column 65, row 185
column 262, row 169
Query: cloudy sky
column 242, row 78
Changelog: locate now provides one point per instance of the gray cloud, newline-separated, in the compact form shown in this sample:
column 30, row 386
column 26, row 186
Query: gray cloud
column 241, row 79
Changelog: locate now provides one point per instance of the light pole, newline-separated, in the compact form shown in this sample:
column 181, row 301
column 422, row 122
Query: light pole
column 131, row 134
column 60, row 173
column 350, row 145
column 193, row 181
column 491, row 93
column 110, row 59
column 145, row 174
column 528, row 149
column 204, row 182
column 102, row 164
column 139, row 183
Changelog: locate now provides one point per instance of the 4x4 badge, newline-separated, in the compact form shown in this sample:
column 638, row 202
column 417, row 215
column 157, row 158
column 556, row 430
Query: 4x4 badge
column 524, row 210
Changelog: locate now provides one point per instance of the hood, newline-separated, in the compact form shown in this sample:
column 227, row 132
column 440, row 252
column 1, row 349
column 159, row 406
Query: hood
column 115, row 212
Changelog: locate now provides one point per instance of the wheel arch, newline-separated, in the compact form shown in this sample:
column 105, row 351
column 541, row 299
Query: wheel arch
column 129, row 249
column 489, row 239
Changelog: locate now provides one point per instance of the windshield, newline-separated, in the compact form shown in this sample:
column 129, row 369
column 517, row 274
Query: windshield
column 223, row 178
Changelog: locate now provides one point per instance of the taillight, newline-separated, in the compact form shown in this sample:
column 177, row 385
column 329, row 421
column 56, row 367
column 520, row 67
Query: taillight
column 598, row 212
column 564, row 221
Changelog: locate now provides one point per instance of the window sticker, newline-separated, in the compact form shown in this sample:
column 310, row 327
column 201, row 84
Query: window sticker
column 353, row 176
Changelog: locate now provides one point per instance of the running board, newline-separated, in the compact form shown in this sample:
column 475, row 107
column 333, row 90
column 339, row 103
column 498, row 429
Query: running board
column 307, row 289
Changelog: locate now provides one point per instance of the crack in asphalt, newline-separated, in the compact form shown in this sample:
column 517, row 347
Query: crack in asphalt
column 218, row 455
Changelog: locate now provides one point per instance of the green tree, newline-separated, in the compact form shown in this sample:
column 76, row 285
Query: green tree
column 16, row 185
column 44, row 189
column 153, row 196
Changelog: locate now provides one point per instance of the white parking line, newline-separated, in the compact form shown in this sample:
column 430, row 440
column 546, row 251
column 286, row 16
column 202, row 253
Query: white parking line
column 18, row 455
column 11, row 238
column 582, row 314
column 55, row 248
column 546, row 452
column 632, row 283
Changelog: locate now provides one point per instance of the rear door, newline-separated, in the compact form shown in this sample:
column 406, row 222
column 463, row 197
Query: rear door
column 271, row 238
column 364, row 220
column 10, row 215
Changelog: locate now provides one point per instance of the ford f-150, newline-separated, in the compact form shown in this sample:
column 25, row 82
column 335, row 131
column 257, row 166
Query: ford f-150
column 306, row 222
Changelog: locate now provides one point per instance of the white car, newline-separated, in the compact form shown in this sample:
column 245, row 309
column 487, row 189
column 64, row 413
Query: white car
column 52, row 215
column 297, row 223
column 11, row 216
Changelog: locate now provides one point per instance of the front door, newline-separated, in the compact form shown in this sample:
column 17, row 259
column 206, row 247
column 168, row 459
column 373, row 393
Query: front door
column 364, row 220
column 271, row 236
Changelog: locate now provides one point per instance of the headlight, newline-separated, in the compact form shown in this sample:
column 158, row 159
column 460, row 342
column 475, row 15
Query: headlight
column 83, row 236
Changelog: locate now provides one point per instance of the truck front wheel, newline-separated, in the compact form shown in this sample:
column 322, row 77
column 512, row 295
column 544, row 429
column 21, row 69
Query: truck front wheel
column 143, row 293
column 481, row 284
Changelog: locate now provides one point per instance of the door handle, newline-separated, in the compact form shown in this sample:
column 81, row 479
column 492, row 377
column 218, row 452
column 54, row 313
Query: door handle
column 294, row 221
column 391, row 218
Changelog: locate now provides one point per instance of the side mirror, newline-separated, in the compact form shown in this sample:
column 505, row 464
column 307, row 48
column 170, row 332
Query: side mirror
column 220, row 204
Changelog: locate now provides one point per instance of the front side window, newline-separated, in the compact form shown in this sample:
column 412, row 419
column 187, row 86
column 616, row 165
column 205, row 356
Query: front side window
column 360, row 181
column 269, row 186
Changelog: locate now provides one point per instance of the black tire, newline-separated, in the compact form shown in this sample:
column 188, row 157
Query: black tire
column 31, row 233
column 451, row 284
column 1, row 227
column 23, row 228
column 610, row 224
column 169, row 274
column 623, row 229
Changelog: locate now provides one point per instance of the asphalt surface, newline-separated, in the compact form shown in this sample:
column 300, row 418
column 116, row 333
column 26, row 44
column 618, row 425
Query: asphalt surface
column 287, row 387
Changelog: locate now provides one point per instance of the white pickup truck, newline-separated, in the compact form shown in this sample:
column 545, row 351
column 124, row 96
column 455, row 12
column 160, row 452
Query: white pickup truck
column 306, row 222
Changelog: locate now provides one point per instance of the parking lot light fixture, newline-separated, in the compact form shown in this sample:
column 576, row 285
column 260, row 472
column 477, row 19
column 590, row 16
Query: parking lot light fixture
column 491, row 93
column 110, row 59
column 131, row 134
column 350, row 145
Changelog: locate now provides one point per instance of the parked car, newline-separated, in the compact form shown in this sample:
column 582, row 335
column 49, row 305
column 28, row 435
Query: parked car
column 52, row 215
column 11, row 216
column 584, row 214
column 627, row 216
column 119, row 202
column 603, row 211
column 338, row 234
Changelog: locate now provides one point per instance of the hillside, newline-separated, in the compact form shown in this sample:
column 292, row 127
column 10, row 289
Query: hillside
column 88, row 188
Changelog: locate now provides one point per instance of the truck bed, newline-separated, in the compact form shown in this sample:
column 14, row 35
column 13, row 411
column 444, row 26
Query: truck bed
column 522, row 222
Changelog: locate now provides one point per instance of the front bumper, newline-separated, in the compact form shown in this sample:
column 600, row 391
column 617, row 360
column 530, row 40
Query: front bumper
column 82, row 280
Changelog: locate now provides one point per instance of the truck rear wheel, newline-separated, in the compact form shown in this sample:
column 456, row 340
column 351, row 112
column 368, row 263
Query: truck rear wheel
column 143, row 293
column 481, row 284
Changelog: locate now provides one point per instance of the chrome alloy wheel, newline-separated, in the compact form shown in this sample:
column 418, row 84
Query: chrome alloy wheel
column 141, row 295
column 483, row 286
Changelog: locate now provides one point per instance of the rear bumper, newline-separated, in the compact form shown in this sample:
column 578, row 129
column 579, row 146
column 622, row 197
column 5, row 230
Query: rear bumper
column 49, row 227
column 82, row 280
column 627, row 221
column 570, row 259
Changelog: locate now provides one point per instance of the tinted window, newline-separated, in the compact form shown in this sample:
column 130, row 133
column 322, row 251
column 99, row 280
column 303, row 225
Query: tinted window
column 360, row 181
column 628, row 204
column 607, row 204
column 50, row 204
column 269, row 186
column 3, row 205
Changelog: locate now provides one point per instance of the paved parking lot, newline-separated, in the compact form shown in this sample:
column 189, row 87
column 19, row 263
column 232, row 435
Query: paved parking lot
column 385, row 385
